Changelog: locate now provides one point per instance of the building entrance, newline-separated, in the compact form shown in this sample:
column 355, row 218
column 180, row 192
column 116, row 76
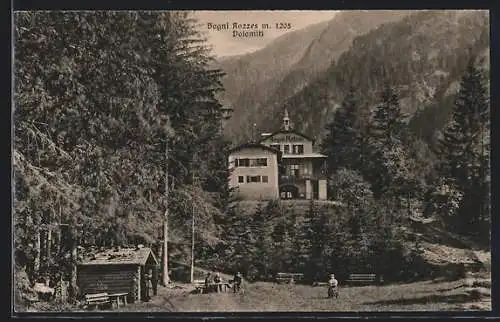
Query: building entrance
column 289, row 192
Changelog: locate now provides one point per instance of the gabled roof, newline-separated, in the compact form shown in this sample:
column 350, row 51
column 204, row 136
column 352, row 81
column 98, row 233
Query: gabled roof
column 287, row 132
column 122, row 256
column 252, row 145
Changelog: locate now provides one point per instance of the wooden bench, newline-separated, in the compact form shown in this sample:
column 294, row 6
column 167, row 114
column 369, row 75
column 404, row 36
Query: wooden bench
column 289, row 278
column 118, row 298
column 199, row 285
column 364, row 279
column 95, row 300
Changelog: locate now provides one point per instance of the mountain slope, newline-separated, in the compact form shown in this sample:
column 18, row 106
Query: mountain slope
column 274, row 60
column 424, row 55
column 269, row 76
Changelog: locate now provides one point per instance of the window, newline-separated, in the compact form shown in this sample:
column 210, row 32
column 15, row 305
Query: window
column 242, row 162
column 265, row 179
column 286, row 148
column 254, row 179
column 260, row 162
column 241, row 179
column 298, row 149
column 275, row 146
column 295, row 170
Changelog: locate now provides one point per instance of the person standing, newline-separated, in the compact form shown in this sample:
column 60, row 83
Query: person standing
column 237, row 282
column 208, row 282
column 147, row 285
column 155, row 282
column 332, row 286
column 217, row 281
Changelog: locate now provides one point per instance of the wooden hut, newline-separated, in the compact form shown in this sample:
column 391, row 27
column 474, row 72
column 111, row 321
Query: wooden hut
column 117, row 271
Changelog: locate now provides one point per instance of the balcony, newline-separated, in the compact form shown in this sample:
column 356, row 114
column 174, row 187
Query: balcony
column 293, row 179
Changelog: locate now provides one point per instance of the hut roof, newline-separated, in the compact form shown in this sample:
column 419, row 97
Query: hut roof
column 123, row 256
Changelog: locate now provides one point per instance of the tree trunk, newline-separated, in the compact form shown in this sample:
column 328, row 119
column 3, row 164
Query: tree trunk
column 165, row 279
column 49, row 244
column 36, row 266
column 73, row 281
column 192, row 248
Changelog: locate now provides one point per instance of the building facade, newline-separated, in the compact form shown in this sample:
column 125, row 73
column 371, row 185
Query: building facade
column 299, row 172
column 254, row 171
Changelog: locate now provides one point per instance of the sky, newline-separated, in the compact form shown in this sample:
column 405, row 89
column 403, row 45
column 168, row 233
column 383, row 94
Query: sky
column 224, row 44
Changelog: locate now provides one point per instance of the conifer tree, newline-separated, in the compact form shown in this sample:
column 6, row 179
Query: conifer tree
column 388, row 125
column 464, row 149
column 390, row 169
column 340, row 143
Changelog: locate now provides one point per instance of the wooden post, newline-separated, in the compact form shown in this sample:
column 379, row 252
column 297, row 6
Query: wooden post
column 165, row 277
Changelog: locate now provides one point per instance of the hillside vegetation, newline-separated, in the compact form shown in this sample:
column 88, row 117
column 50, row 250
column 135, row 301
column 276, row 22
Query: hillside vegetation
column 118, row 125
column 256, row 82
column 423, row 53
column 111, row 109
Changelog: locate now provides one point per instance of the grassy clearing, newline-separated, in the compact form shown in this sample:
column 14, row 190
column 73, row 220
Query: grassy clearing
column 421, row 296
column 471, row 293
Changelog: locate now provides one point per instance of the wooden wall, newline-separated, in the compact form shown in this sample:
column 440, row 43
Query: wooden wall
column 108, row 278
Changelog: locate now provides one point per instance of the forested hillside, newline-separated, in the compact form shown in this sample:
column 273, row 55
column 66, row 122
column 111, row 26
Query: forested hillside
column 107, row 104
column 383, row 164
column 259, row 82
column 423, row 55
column 117, row 122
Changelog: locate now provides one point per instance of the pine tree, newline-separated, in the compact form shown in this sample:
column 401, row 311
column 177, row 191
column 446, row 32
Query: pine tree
column 388, row 124
column 340, row 143
column 390, row 168
column 97, row 97
column 464, row 148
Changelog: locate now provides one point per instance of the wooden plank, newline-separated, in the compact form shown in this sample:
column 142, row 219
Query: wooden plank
column 99, row 288
column 128, row 273
column 107, row 277
column 98, row 299
column 95, row 288
column 95, row 295
column 105, row 284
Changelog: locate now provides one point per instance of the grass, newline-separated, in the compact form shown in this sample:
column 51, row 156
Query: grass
column 261, row 296
column 472, row 293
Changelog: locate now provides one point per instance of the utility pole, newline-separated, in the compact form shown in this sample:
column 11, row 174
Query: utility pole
column 166, row 278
